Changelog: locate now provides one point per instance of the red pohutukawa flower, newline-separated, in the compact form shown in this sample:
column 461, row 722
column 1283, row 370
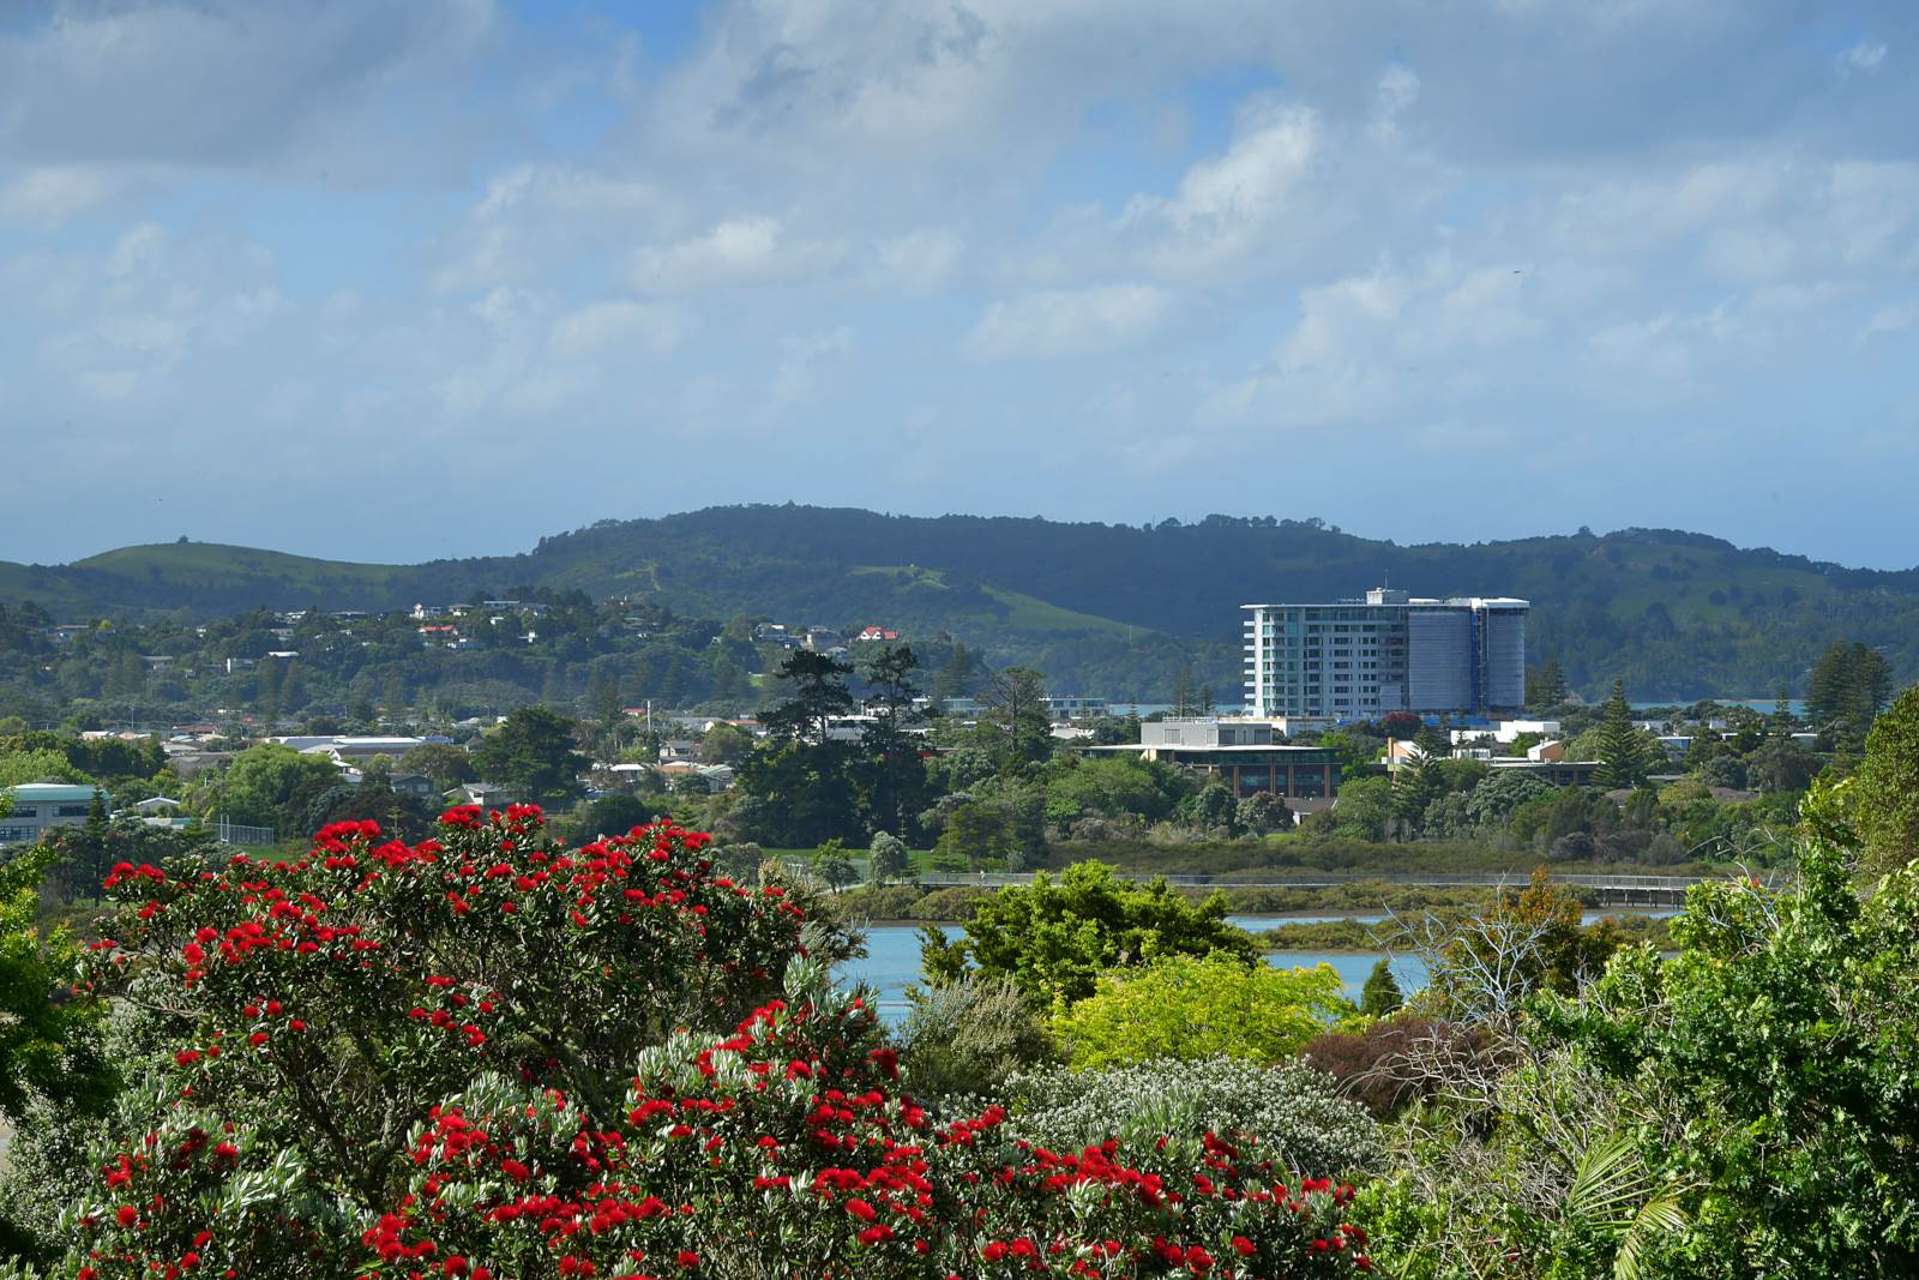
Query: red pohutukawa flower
column 478, row 1045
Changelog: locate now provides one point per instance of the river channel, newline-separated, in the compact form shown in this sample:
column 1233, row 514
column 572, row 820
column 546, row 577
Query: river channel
column 892, row 960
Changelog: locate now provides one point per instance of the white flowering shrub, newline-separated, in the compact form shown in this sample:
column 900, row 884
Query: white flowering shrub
column 1291, row 1109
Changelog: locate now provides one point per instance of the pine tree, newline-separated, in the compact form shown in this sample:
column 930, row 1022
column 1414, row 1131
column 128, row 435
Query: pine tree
column 1416, row 784
column 1622, row 751
column 1849, row 686
column 1546, row 686
column 1381, row 996
column 1183, row 691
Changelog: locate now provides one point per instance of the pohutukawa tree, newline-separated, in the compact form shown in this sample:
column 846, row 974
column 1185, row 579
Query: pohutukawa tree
column 487, row 1055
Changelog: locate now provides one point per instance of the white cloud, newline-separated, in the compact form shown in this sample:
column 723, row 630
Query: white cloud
column 228, row 83
column 737, row 251
column 1892, row 319
column 1397, row 91
column 919, row 261
column 614, row 328
column 1863, row 57
column 1224, row 204
column 1061, row 322
column 804, row 361
column 49, row 195
column 1406, row 223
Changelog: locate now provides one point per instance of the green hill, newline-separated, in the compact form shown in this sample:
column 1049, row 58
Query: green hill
column 1104, row 608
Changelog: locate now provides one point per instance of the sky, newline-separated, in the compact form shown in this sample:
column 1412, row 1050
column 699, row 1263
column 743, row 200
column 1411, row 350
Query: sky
column 390, row 281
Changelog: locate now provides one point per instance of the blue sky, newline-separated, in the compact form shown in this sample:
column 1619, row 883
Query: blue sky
column 386, row 282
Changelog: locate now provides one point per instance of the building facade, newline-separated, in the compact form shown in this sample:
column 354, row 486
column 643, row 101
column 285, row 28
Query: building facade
column 1388, row 651
column 38, row 806
column 1309, row 775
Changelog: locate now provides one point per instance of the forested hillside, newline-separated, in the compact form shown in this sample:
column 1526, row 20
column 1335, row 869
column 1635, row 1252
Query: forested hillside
column 1110, row 609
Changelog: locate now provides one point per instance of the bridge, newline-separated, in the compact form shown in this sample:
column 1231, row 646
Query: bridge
column 1602, row 890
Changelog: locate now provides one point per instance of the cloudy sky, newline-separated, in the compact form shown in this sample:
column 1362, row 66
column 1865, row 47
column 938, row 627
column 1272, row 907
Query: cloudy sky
column 389, row 281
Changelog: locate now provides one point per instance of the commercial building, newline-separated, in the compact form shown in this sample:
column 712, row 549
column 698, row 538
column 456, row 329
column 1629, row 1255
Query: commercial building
column 1309, row 775
column 40, row 805
column 1388, row 651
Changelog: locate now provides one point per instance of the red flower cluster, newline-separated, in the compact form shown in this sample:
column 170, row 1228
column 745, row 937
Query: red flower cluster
column 476, row 1044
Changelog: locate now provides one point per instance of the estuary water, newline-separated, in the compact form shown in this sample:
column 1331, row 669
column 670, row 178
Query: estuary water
column 892, row 960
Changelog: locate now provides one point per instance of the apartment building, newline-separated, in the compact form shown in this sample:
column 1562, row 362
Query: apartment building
column 1386, row 651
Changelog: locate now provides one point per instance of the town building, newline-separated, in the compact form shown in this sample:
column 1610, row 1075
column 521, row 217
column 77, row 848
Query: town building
column 1309, row 775
column 1365, row 658
column 1210, row 731
column 38, row 806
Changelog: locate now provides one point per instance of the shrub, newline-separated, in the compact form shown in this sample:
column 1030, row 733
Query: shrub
column 1056, row 936
column 1291, row 1109
column 486, row 1055
column 1186, row 1007
column 971, row 1036
column 1378, row 1067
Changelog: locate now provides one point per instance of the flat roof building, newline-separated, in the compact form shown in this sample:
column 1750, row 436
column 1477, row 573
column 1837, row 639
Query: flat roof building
column 1298, row 773
column 1364, row 658
column 38, row 806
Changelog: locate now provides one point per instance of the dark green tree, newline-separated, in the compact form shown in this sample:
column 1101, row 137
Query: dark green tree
column 533, row 754
column 957, row 676
column 1886, row 789
column 1183, row 698
column 1849, row 685
column 816, row 692
column 1015, row 728
column 443, row 762
column 1622, row 748
column 892, row 747
column 1381, row 996
column 1546, row 685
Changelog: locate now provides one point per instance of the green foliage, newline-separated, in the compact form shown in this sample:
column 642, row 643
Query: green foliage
column 446, row 764
column 1746, row 1109
column 1885, row 791
column 1111, row 786
column 44, row 765
column 971, row 1036
column 532, row 753
column 1486, row 966
column 268, row 786
column 1365, row 808
column 999, row 822
column 1015, row 729
column 1546, row 686
column 1056, row 937
column 1263, row 813
column 831, row 865
column 1849, row 684
column 1493, row 801
column 48, row 1046
column 1620, row 748
column 1381, row 996
column 1192, row 1007
column 886, row 859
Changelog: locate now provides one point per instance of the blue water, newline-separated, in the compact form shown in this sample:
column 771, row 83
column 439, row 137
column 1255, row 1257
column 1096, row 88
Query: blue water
column 892, row 963
column 892, row 960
